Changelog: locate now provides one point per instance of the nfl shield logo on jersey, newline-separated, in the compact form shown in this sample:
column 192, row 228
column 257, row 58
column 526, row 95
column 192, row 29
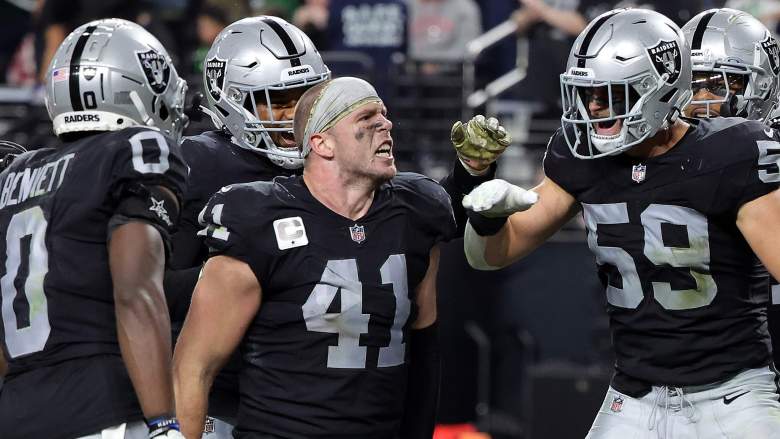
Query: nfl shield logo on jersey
column 358, row 233
column 617, row 404
column 638, row 173
column 209, row 427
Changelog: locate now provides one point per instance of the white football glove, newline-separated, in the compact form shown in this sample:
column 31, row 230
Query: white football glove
column 499, row 198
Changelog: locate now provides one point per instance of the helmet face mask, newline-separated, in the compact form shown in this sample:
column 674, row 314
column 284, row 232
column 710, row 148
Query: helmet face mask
column 110, row 74
column 627, row 77
column 242, row 75
column 731, row 43
column 721, row 88
column 612, row 126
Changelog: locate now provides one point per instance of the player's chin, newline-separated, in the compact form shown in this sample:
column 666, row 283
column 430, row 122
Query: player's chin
column 384, row 169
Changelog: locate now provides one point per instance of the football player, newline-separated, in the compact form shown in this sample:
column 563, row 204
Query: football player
column 326, row 280
column 736, row 65
column 676, row 212
column 85, row 327
column 252, row 90
column 736, row 72
column 254, row 73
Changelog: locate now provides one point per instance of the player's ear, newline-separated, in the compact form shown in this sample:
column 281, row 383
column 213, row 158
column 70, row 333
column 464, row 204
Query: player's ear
column 322, row 145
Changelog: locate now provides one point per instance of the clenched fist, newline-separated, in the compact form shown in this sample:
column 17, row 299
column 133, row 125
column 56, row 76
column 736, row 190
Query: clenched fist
column 479, row 141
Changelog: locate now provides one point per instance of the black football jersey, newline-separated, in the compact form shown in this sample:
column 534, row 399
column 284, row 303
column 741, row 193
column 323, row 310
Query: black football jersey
column 686, row 295
column 214, row 162
column 325, row 356
column 57, row 294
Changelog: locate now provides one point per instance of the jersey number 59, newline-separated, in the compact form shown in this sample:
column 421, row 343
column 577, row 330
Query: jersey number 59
column 694, row 258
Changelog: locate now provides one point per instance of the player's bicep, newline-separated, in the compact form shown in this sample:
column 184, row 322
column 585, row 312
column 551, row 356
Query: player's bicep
column 758, row 222
column 226, row 299
column 425, row 294
column 136, row 260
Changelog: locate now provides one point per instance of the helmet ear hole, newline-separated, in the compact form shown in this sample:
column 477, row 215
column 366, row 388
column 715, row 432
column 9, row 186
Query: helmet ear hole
column 248, row 104
column 633, row 96
column 163, row 111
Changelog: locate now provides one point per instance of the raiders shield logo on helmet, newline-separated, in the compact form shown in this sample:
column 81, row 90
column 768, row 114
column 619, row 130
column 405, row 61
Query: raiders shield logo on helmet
column 773, row 53
column 156, row 69
column 215, row 76
column 666, row 59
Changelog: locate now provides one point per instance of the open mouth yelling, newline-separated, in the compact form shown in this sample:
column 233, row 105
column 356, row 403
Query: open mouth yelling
column 608, row 128
column 286, row 140
column 702, row 112
column 385, row 150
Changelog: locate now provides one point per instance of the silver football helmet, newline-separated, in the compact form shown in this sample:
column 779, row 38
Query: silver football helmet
column 110, row 74
column 733, row 54
column 249, row 60
column 635, row 64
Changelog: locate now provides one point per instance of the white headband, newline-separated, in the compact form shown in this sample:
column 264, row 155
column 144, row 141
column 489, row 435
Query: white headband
column 339, row 98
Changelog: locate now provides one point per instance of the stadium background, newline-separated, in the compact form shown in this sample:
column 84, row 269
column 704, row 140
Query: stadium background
column 526, row 349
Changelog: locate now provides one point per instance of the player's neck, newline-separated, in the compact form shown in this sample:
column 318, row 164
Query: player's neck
column 661, row 143
column 350, row 199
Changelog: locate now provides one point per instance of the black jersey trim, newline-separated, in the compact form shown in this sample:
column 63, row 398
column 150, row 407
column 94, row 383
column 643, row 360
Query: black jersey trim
column 589, row 36
column 286, row 40
column 698, row 34
column 73, row 79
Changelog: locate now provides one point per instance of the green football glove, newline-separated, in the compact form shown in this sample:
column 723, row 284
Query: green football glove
column 480, row 140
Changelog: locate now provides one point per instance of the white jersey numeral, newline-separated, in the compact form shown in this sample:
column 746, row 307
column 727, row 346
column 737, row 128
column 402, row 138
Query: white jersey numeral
column 341, row 277
column 136, row 142
column 26, row 245
column 695, row 256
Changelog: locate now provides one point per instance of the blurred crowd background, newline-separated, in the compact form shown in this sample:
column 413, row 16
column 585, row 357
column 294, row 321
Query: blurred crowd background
column 434, row 61
column 522, row 346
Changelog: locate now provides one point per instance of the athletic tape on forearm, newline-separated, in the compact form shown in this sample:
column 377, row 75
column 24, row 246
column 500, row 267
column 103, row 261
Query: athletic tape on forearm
column 474, row 248
column 339, row 98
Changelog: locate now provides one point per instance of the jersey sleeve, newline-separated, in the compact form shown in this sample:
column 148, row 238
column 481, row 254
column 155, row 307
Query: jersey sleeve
column 147, row 157
column 231, row 228
column 753, row 169
column 433, row 207
column 561, row 166
column 147, row 179
column 457, row 184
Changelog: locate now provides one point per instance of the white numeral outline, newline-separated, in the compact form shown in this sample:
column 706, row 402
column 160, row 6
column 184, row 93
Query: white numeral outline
column 341, row 276
column 33, row 338
column 136, row 142
column 696, row 257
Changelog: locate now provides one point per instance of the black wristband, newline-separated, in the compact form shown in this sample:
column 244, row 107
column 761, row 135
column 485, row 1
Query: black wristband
column 485, row 226
column 160, row 425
